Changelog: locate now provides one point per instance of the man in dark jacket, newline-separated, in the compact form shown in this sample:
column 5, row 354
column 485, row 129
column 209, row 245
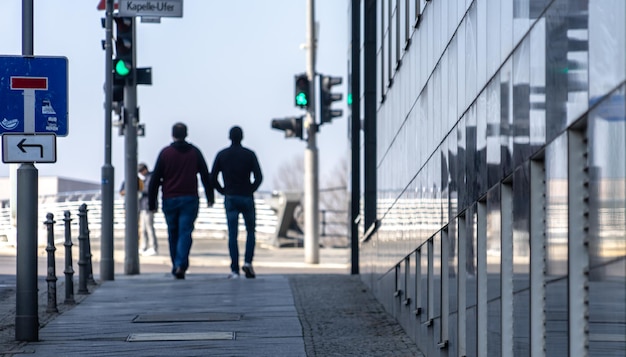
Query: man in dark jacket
column 176, row 171
column 149, row 244
column 236, row 163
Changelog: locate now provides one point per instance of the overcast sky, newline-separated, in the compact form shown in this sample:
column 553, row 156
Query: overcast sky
column 223, row 63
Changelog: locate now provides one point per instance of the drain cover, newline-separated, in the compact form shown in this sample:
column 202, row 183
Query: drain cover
column 188, row 336
column 187, row 317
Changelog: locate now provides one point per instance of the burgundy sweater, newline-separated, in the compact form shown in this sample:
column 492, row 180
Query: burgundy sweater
column 176, row 170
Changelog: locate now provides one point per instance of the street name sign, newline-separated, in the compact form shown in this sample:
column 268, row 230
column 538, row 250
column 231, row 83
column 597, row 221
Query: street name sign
column 20, row 148
column 33, row 95
column 151, row 8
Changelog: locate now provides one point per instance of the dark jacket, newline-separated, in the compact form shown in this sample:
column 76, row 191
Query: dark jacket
column 143, row 195
column 236, row 163
column 176, row 171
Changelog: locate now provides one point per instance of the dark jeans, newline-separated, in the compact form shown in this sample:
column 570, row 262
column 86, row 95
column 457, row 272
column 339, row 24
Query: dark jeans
column 180, row 214
column 235, row 205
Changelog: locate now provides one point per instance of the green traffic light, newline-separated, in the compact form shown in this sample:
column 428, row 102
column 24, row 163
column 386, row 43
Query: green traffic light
column 121, row 68
column 301, row 99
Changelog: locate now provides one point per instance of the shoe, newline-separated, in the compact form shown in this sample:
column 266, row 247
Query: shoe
column 233, row 275
column 247, row 268
column 179, row 273
column 149, row 252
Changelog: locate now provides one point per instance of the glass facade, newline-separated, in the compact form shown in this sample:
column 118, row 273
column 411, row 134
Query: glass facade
column 501, row 175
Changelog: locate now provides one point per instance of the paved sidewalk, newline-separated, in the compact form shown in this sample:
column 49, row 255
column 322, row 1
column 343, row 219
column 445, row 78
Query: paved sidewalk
column 290, row 309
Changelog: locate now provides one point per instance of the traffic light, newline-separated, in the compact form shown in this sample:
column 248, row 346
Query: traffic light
column 123, row 64
column 302, row 91
column 292, row 126
column 118, row 89
column 327, row 98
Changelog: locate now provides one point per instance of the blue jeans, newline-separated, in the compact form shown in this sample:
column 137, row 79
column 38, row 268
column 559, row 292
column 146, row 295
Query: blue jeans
column 235, row 205
column 180, row 214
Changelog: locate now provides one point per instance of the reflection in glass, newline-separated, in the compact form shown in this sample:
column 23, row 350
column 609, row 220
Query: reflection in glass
column 521, row 261
column 480, row 159
column 437, row 275
column 521, row 19
column 577, row 59
column 494, row 254
column 453, row 264
column 471, row 287
column 537, row 7
column 470, row 56
column 506, row 28
column 444, row 165
column 493, row 36
column 556, row 248
column 493, row 131
column 460, row 60
column 607, row 204
column 537, row 114
column 607, row 58
column 452, row 99
column 506, row 120
column 460, row 167
column 471, row 158
column 423, row 281
column 521, row 102
column 556, row 69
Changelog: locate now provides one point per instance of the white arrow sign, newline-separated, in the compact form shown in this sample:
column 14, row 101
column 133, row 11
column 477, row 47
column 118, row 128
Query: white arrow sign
column 20, row 148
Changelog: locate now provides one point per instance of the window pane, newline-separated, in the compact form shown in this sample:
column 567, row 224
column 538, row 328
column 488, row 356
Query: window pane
column 506, row 119
column 521, row 261
column 556, row 248
column 607, row 62
column 494, row 254
column 607, row 207
column 521, row 103
column 537, row 97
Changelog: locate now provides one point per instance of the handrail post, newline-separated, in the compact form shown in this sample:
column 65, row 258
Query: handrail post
column 90, row 279
column 51, row 277
column 82, row 250
column 69, row 271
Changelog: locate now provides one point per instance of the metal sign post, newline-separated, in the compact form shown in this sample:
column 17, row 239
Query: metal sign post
column 33, row 111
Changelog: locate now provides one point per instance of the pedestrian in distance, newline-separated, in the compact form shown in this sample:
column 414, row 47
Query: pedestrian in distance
column 237, row 165
column 176, row 172
column 146, row 216
column 140, row 186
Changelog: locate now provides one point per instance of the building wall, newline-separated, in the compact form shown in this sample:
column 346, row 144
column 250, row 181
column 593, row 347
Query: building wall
column 50, row 185
column 501, row 175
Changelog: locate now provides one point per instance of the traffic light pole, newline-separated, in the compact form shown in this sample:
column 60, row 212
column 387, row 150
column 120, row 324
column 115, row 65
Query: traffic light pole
column 131, row 119
column 107, row 264
column 311, row 182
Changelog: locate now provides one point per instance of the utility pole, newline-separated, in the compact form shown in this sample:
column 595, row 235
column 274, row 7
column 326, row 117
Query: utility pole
column 311, row 165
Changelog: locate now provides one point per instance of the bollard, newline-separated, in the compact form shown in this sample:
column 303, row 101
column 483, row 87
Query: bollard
column 69, row 271
column 82, row 250
column 51, row 277
column 90, row 279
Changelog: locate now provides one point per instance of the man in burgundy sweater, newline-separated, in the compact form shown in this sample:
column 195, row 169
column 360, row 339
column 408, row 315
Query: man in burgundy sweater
column 176, row 171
